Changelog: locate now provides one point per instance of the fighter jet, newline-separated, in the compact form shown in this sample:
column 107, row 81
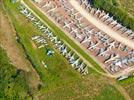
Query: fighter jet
column 112, row 45
column 112, row 57
column 71, row 60
column 35, row 37
column 64, row 51
column 74, row 30
column 49, row 34
column 40, row 27
column 29, row 15
column 61, row 47
column 84, row 2
column 86, row 39
column 37, row 23
column 67, row 25
column 114, row 22
column 68, row 56
column 79, row 19
column 75, row 63
column 102, row 52
column 93, row 45
column 46, row 5
column 25, row 11
column 46, row 30
column 97, row 12
column 105, row 16
column 53, row 9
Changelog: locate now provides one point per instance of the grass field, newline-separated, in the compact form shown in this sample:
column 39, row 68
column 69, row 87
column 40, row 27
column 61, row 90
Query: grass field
column 127, row 5
column 59, row 80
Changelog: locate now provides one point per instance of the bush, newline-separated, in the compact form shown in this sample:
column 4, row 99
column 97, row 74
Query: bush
column 13, row 85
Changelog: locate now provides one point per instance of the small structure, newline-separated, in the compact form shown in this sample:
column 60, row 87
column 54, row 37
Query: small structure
column 49, row 52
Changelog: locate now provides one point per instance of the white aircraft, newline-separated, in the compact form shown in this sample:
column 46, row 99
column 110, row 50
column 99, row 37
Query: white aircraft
column 102, row 52
column 46, row 5
column 37, row 23
column 41, row 46
column 131, row 52
column 84, row 2
column 80, row 66
column 29, row 15
column 43, row 63
column 67, row 25
column 49, row 34
column 53, row 9
column 71, row 60
column 97, row 11
column 112, row 45
column 76, row 62
column 32, row 19
column 64, row 52
column 118, row 63
column 25, row 11
column 74, row 30
column 86, row 39
column 68, row 56
column 105, row 16
column 109, row 19
column 79, row 19
column 90, row 31
column 41, row 27
column 93, row 45
column 61, row 47
column 46, row 30
column 55, row 39
column 118, row 25
column 35, row 37
column 78, row 36
column 99, row 33
column 101, row 14
column 39, row 40
column 88, row 6
column 57, row 42
column 112, row 57
column 129, row 31
column 114, row 22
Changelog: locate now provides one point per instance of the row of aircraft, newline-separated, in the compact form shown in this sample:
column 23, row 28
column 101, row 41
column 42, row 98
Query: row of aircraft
column 109, row 20
column 101, row 46
column 77, row 64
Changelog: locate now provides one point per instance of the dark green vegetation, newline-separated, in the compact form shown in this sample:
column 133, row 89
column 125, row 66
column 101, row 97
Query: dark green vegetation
column 122, row 10
column 13, row 84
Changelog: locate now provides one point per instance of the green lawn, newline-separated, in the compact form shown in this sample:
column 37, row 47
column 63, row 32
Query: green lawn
column 108, row 93
column 127, row 5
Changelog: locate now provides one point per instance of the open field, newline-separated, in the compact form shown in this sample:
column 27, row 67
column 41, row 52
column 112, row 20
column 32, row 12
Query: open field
column 127, row 5
column 59, row 80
